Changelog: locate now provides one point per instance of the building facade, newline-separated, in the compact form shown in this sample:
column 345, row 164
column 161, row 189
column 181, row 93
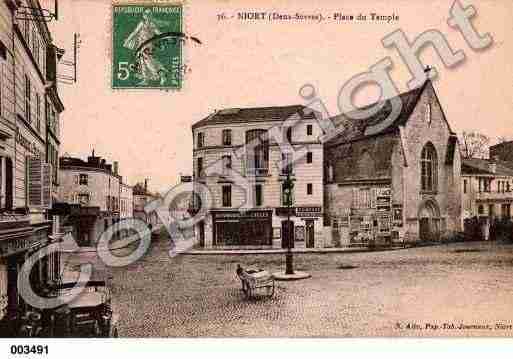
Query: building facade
column 243, row 156
column 487, row 187
column 393, row 181
column 95, row 186
column 126, row 201
column 142, row 196
column 29, row 143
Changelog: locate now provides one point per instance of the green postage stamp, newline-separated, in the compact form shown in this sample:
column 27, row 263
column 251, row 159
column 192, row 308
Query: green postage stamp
column 146, row 48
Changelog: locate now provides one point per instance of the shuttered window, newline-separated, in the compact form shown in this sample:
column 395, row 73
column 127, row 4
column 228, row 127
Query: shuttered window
column 39, row 183
column 27, row 99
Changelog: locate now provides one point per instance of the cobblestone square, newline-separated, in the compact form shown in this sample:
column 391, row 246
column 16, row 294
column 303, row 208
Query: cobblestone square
column 462, row 289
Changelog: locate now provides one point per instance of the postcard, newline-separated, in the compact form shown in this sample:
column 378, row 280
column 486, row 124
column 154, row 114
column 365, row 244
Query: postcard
column 255, row 169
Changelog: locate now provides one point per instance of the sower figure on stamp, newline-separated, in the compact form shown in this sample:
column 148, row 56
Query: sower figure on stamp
column 149, row 68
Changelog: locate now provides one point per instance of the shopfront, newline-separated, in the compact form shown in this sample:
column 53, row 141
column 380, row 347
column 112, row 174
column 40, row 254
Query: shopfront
column 18, row 241
column 303, row 223
column 249, row 228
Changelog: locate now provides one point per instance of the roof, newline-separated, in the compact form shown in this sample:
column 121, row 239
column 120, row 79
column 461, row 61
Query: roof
column 255, row 114
column 480, row 166
column 370, row 159
column 356, row 129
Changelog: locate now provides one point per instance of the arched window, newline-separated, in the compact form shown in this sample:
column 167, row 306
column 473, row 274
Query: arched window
column 428, row 165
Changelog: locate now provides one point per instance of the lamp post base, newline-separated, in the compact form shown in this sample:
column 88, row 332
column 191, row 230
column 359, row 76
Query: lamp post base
column 296, row 276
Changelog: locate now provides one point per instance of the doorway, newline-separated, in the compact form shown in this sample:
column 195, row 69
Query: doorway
column 310, row 233
column 429, row 220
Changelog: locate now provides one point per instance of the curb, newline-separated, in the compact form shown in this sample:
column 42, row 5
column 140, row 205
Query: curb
column 294, row 251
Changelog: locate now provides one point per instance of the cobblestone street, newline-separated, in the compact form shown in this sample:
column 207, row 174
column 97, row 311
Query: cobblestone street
column 394, row 293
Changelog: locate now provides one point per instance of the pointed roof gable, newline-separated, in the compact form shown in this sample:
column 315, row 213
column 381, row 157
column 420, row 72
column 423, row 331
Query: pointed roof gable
column 355, row 129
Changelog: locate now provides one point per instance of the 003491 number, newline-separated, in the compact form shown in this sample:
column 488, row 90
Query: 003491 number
column 29, row 349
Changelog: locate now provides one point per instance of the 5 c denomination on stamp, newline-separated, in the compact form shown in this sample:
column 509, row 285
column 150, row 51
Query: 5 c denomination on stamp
column 146, row 53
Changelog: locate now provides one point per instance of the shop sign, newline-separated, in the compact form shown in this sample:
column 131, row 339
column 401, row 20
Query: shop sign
column 13, row 246
column 239, row 215
column 308, row 211
column 28, row 145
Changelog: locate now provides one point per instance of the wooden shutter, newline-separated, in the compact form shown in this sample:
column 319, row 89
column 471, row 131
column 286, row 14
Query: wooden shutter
column 46, row 185
column 39, row 183
column 35, row 176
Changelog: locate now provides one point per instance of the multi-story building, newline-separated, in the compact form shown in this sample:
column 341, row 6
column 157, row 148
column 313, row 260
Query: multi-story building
column 142, row 196
column 95, row 186
column 243, row 155
column 29, row 145
column 126, row 201
column 487, row 187
column 394, row 180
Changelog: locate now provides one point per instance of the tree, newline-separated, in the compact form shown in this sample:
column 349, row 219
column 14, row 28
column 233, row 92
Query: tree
column 474, row 144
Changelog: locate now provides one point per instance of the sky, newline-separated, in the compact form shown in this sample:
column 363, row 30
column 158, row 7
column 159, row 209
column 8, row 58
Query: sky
column 262, row 63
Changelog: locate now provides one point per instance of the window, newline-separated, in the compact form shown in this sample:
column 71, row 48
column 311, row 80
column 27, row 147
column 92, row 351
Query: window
column 464, row 186
column 505, row 210
column 286, row 163
column 309, row 157
column 309, row 189
column 491, row 210
column 428, row 113
column 200, row 167
column 428, row 163
column 83, row 179
column 227, row 196
column 487, row 184
column 508, row 188
column 480, row 209
column 227, row 137
column 287, row 196
column 257, row 152
column 27, row 99
column 309, row 130
column 35, row 46
column 289, row 134
column 258, row 195
column 38, row 112
column 200, row 139
column 227, row 164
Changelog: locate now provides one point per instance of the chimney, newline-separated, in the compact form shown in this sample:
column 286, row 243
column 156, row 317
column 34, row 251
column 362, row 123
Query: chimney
column 115, row 167
column 145, row 185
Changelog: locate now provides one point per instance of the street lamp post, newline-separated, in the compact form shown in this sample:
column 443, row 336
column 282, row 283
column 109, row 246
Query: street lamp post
column 289, row 260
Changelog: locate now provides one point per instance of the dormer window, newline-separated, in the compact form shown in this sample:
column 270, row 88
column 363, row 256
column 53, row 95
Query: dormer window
column 227, row 137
